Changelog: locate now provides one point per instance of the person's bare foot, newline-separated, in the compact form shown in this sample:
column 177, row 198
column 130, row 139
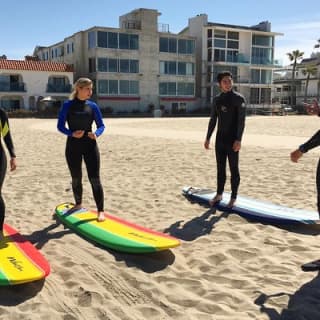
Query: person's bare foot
column 215, row 200
column 231, row 203
column 101, row 217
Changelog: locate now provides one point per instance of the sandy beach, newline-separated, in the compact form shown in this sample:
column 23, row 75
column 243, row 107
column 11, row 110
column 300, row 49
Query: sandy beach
column 227, row 268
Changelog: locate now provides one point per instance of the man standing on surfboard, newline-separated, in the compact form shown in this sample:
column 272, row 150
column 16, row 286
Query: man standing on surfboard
column 229, row 109
column 5, row 133
column 79, row 113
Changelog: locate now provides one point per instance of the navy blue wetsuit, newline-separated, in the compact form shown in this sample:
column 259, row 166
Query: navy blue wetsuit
column 229, row 110
column 5, row 133
column 80, row 115
column 313, row 142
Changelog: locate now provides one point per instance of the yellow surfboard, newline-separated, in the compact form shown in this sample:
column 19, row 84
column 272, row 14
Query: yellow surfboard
column 114, row 233
column 20, row 261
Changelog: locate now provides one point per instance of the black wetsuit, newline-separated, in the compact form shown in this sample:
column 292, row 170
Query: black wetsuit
column 229, row 109
column 313, row 142
column 5, row 133
column 80, row 115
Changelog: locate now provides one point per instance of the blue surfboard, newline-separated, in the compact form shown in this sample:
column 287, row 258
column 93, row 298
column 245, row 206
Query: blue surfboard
column 254, row 209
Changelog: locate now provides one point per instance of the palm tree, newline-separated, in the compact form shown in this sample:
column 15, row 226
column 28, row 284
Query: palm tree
column 310, row 70
column 294, row 56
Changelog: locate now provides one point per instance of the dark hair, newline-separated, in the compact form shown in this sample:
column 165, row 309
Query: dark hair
column 223, row 74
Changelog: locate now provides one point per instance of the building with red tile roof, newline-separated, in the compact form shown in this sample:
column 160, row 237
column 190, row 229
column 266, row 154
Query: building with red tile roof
column 25, row 83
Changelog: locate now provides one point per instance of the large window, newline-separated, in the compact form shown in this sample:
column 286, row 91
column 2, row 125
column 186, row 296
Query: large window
column 262, row 55
column 263, row 41
column 261, row 76
column 176, row 68
column 118, row 65
column 116, row 40
column 226, row 45
column 173, row 45
column 176, row 88
column 118, row 87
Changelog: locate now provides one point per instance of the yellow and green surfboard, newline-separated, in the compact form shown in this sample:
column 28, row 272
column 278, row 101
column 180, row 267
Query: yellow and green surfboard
column 114, row 233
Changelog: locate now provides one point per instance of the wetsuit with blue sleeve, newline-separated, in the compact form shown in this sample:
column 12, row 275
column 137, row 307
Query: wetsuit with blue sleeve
column 313, row 142
column 80, row 115
column 228, row 109
column 5, row 133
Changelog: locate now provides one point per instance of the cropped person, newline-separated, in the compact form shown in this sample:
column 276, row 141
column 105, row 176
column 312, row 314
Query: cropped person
column 6, row 135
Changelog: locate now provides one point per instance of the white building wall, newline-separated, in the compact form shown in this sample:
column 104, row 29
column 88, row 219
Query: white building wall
column 35, row 84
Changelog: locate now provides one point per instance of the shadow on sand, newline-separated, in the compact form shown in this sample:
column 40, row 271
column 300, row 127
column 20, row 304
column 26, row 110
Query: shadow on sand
column 11, row 296
column 197, row 227
column 304, row 304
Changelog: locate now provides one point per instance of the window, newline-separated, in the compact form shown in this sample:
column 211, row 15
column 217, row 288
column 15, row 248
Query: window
column 185, row 89
column 233, row 35
column 220, row 34
column 112, row 40
column 233, row 44
column 134, row 42
column 174, row 68
column 174, row 89
column 265, row 41
column 115, row 87
column 112, row 65
column 186, row 46
column 128, row 87
column 262, row 55
column 92, row 65
column 219, row 55
column 103, row 86
column 102, row 39
column 124, row 41
column 117, row 40
column 102, row 64
column 91, row 39
column 219, row 43
column 124, row 87
column 124, row 66
column 134, row 66
column 232, row 56
column 167, row 88
column 168, row 45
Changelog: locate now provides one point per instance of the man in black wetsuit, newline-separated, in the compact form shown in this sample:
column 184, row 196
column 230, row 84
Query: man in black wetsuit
column 313, row 142
column 295, row 155
column 229, row 109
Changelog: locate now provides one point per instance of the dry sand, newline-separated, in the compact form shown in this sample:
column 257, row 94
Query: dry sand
column 226, row 267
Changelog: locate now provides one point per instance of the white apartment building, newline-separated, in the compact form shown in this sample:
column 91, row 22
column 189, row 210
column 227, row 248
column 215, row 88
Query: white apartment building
column 136, row 67
column 25, row 83
column 247, row 52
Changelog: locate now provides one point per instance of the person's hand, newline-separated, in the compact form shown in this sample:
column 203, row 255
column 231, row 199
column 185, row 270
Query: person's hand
column 236, row 146
column 78, row 134
column 13, row 164
column 92, row 135
column 296, row 155
column 207, row 144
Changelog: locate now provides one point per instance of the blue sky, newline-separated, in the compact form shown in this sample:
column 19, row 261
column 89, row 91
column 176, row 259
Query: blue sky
column 26, row 24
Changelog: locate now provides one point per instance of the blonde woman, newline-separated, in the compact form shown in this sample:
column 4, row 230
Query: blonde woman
column 79, row 113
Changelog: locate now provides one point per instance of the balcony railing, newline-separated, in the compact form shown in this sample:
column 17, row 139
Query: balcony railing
column 58, row 88
column 12, row 87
